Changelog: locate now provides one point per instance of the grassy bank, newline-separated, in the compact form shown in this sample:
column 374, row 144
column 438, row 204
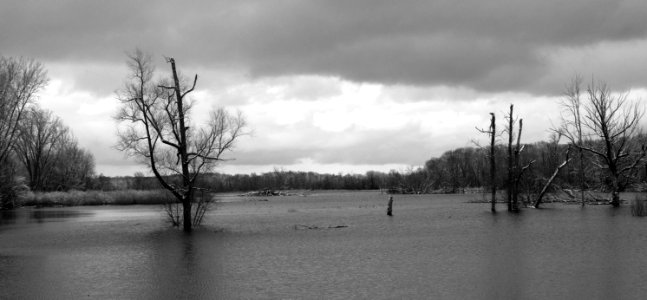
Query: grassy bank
column 77, row 198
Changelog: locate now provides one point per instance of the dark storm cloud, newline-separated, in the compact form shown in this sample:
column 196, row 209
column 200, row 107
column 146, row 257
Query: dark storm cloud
column 486, row 45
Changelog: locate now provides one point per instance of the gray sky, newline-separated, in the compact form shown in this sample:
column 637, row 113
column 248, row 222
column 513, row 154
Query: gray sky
column 332, row 86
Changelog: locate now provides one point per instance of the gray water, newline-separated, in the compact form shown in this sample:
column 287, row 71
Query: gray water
column 326, row 246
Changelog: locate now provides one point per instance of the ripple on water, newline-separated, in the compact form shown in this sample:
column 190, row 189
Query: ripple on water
column 433, row 247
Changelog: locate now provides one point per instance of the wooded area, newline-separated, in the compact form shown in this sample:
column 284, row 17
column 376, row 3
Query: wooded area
column 37, row 151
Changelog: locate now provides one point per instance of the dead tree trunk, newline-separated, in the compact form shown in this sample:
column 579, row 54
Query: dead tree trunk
column 515, row 171
column 518, row 171
column 492, row 134
column 550, row 180
column 493, row 160
column 581, row 172
column 510, row 180
column 187, row 199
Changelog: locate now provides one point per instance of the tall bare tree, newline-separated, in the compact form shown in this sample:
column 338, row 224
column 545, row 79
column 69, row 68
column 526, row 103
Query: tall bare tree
column 610, row 123
column 156, row 128
column 515, row 170
column 518, row 169
column 41, row 136
column 571, row 126
column 615, row 120
column 20, row 80
column 491, row 132
column 510, row 182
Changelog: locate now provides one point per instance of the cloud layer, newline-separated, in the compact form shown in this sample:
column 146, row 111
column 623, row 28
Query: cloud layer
column 484, row 45
column 351, row 85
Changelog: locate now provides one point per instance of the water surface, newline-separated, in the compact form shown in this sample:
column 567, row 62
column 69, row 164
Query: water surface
column 327, row 245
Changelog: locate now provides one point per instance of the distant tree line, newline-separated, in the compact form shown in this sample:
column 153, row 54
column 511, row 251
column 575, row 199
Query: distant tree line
column 410, row 181
column 455, row 171
column 469, row 168
column 37, row 151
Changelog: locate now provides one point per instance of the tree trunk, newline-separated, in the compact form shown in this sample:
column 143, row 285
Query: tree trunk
column 186, row 211
column 509, row 181
column 517, row 171
column 550, row 181
column 582, row 173
column 615, row 194
column 493, row 161
column 184, row 159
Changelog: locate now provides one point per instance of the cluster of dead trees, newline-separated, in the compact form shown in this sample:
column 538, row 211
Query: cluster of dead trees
column 602, row 134
column 37, row 151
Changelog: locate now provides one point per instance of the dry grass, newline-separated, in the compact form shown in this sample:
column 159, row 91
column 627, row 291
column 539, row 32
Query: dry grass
column 78, row 198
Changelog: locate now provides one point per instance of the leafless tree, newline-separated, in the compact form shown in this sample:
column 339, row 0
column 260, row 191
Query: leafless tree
column 41, row 137
column 571, row 125
column 550, row 180
column 510, row 130
column 613, row 120
column 518, row 169
column 491, row 132
column 20, row 80
column 156, row 128
column 515, row 170
column 73, row 167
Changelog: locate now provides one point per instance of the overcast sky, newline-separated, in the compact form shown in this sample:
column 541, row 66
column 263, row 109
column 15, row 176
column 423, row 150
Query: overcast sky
column 332, row 86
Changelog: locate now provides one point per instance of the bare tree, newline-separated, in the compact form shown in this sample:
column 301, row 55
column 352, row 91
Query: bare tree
column 491, row 132
column 73, row 167
column 518, row 169
column 510, row 130
column 156, row 129
column 614, row 120
column 20, row 80
column 571, row 125
column 550, row 180
column 41, row 136
column 515, row 170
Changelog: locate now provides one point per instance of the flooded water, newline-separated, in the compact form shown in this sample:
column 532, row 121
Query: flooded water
column 330, row 245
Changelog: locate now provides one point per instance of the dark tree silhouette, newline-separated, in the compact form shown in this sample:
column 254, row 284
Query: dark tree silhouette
column 491, row 132
column 157, row 130
column 614, row 120
column 20, row 80
column 41, row 136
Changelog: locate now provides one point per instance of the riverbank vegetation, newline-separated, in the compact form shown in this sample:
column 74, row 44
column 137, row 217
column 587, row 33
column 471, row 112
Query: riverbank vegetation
column 38, row 152
column 95, row 197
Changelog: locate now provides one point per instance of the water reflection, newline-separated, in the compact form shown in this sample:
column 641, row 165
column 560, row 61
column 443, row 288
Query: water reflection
column 506, row 247
column 7, row 217
column 429, row 249
column 42, row 215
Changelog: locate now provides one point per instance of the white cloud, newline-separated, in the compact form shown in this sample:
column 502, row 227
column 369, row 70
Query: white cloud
column 88, row 116
column 331, row 84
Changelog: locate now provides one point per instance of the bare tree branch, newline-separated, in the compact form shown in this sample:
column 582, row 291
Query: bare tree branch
column 160, row 130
